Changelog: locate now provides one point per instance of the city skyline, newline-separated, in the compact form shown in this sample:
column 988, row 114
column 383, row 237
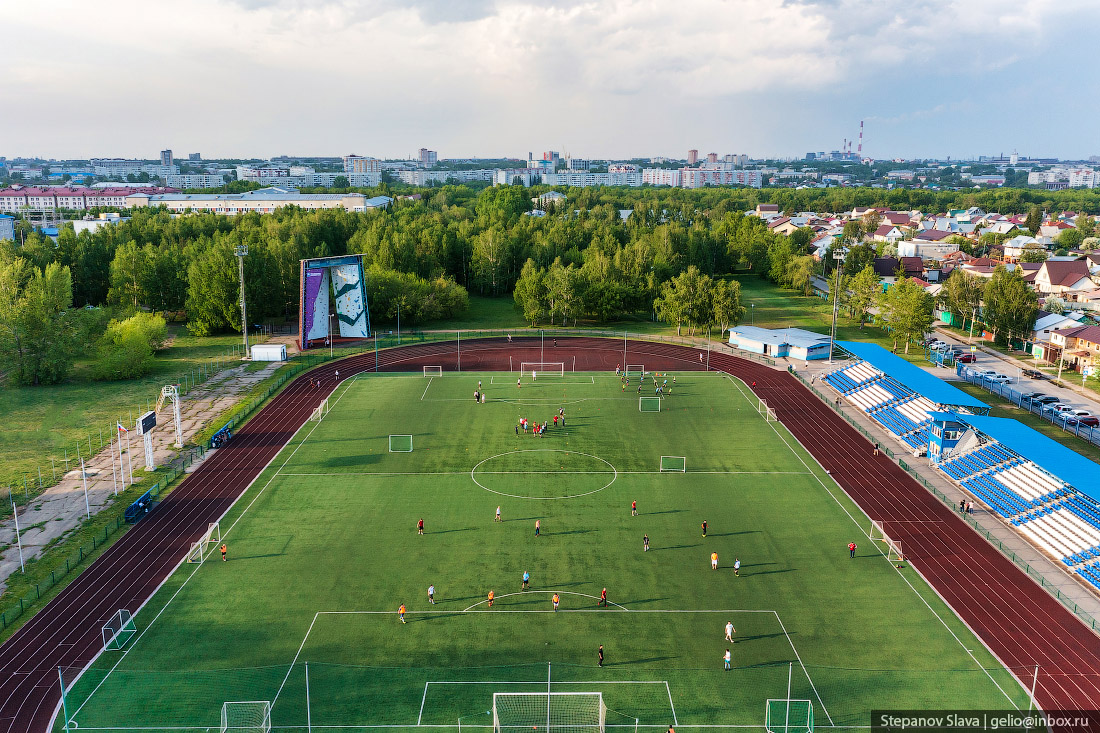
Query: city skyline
column 608, row 80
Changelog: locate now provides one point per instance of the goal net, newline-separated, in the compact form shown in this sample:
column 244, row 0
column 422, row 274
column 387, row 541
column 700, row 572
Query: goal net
column 674, row 463
column 401, row 444
column 554, row 712
column 119, row 630
column 789, row 716
column 551, row 368
column 635, row 370
column 877, row 533
column 433, row 371
column 893, row 547
column 246, row 717
column 649, row 404
column 320, row 411
column 201, row 548
column 768, row 413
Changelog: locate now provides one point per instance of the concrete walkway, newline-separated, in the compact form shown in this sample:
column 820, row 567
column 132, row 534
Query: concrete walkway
column 60, row 509
column 1055, row 573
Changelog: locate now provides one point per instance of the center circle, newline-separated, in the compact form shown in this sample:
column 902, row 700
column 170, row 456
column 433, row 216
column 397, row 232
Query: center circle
column 549, row 473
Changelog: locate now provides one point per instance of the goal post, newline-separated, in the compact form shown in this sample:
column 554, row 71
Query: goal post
column 118, row 630
column 550, row 368
column 877, row 532
column 649, row 404
column 564, row 712
column 674, row 464
column 201, row 547
column 252, row 716
column 633, row 370
column 768, row 413
column 789, row 716
column 320, row 411
column 401, row 444
column 433, row 371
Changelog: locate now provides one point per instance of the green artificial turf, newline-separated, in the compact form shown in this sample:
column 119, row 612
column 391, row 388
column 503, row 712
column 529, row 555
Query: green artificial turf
column 323, row 549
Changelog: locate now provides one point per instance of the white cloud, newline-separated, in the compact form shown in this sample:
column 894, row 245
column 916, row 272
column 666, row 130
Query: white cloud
column 604, row 77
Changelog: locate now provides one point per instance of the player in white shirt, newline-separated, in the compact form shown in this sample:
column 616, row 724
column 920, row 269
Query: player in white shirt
column 431, row 594
column 729, row 631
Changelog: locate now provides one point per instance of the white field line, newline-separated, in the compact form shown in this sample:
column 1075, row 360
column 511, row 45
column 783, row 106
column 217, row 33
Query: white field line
column 224, row 535
column 804, row 670
column 540, row 473
column 429, row 384
column 739, row 384
column 669, row 691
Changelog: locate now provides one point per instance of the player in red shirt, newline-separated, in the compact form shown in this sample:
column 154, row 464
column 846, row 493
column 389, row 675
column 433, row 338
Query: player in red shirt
column 420, row 527
column 851, row 549
column 634, row 508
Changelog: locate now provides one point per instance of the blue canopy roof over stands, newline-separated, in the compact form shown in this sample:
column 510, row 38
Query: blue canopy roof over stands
column 912, row 377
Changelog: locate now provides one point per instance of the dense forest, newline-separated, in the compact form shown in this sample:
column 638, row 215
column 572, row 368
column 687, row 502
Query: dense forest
column 606, row 253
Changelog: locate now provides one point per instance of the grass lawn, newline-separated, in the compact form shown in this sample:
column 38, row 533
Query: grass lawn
column 41, row 423
column 323, row 549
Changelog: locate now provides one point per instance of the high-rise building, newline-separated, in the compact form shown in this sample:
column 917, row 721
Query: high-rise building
column 166, row 157
column 359, row 164
column 712, row 157
column 693, row 157
column 194, row 156
column 428, row 158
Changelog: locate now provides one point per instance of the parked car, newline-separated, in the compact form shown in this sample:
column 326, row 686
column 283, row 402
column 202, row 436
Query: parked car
column 1078, row 412
column 1034, row 374
column 937, row 345
column 966, row 358
column 1058, row 409
column 1045, row 400
column 999, row 378
column 1090, row 421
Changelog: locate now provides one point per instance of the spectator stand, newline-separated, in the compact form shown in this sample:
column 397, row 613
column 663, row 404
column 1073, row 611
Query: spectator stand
column 1049, row 493
column 896, row 394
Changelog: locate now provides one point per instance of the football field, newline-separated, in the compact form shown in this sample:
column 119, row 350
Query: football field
column 323, row 549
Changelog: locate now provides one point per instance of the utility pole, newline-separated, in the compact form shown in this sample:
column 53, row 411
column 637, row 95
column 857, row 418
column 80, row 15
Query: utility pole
column 839, row 257
column 242, row 251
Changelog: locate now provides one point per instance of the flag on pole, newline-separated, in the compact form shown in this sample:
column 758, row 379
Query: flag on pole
column 122, row 429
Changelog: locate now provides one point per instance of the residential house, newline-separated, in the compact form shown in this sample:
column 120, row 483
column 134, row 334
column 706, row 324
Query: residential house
column 929, row 244
column 1064, row 278
column 1000, row 227
column 767, row 211
column 783, row 225
column 1047, row 323
column 887, row 268
column 1080, row 348
column 887, row 233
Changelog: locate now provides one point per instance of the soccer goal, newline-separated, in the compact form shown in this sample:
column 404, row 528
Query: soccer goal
column 564, row 712
column 635, row 370
column 433, row 371
column 201, row 548
column 401, row 444
column 319, row 411
column 789, row 716
column 673, row 463
column 649, row 404
column 768, row 413
column 119, row 630
column 550, row 368
column 877, row 533
column 246, row 717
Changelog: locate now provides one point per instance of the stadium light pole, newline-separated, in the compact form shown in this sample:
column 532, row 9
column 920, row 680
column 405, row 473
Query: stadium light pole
column 84, row 479
column 18, row 540
column 839, row 257
column 241, row 252
column 752, row 314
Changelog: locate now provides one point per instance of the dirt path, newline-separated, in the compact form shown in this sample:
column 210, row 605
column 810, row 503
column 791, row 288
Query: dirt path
column 61, row 508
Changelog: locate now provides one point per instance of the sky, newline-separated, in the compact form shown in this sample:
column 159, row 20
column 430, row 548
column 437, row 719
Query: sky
column 595, row 79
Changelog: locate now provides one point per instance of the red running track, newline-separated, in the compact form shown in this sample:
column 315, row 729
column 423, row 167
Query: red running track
column 1021, row 623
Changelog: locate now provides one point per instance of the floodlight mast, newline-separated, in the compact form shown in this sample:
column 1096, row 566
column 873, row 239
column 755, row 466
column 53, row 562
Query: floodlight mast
column 242, row 252
column 839, row 257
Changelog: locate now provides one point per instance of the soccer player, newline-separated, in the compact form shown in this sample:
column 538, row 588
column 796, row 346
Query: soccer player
column 556, row 601
column 729, row 631
column 704, row 528
column 420, row 527
column 726, row 659
column 639, row 387
column 526, row 581
column 754, row 385
column 519, row 383
column 634, row 508
column 645, row 543
column 479, row 385
column 498, row 515
column 223, row 552
column 714, row 561
column 603, row 598
column 600, row 654
column 491, row 596
column 538, row 527
column 555, row 421
column 534, row 375
column 401, row 613
column 431, row 594
column 737, row 566
column 851, row 549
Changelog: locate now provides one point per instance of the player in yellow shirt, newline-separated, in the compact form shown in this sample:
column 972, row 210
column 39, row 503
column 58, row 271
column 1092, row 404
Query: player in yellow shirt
column 556, row 601
column 714, row 561
column 490, row 599
column 401, row 613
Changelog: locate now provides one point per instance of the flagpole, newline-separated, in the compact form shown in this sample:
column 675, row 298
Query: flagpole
column 129, row 458
column 114, row 475
column 18, row 541
column 121, row 465
column 84, row 478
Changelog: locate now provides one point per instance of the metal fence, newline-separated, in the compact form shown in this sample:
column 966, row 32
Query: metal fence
column 1014, row 394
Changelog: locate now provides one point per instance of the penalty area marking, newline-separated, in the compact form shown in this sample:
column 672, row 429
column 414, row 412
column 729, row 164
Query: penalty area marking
column 614, row 473
column 532, row 592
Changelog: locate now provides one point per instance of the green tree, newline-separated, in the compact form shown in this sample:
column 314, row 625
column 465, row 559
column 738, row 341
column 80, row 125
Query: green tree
column 341, row 182
column 1034, row 220
column 128, row 276
column 962, row 294
column 1033, row 253
column 684, row 300
column 801, row 239
column 38, row 329
column 800, row 274
column 1070, row 239
column 905, row 310
column 725, row 302
column 859, row 256
column 530, row 293
column 563, row 291
column 862, row 290
column 125, row 350
column 1010, row 305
